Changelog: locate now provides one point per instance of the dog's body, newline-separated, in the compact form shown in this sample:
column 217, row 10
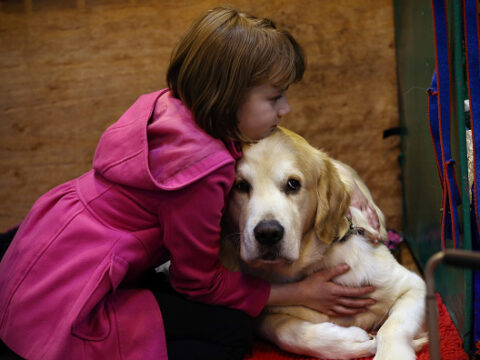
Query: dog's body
column 289, row 204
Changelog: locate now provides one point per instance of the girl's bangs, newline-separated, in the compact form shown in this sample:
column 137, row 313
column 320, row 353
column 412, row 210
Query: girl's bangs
column 286, row 64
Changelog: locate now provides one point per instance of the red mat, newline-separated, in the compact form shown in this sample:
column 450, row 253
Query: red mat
column 450, row 343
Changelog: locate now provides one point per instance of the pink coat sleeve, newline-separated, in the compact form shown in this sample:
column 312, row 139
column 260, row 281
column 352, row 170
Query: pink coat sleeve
column 191, row 218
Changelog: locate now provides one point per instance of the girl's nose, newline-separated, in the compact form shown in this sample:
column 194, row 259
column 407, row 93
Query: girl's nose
column 284, row 108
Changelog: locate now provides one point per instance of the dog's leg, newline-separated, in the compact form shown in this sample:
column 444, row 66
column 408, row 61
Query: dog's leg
column 324, row 340
column 395, row 339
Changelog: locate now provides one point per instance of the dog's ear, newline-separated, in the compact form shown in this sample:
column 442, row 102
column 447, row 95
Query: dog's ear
column 333, row 200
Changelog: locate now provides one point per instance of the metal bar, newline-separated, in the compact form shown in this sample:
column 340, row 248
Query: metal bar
column 432, row 308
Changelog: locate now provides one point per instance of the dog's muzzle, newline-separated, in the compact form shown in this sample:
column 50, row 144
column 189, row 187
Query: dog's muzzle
column 268, row 232
column 267, row 245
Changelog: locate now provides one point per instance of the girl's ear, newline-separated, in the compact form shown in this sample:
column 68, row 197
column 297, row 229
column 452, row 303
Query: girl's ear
column 333, row 200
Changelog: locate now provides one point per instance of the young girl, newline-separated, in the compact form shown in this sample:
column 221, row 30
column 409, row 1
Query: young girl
column 74, row 281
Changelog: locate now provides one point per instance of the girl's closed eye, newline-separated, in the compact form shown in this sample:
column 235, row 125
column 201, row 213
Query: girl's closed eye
column 278, row 94
column 277, row 97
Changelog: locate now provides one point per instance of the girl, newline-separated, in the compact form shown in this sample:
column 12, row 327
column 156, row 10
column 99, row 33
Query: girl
column 74, row 281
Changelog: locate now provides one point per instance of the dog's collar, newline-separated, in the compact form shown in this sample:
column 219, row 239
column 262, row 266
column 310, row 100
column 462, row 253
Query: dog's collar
column 352, row 230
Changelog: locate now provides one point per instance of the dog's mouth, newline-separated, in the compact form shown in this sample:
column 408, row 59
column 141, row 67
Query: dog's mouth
column 261, row 263
column 266, row 256
column 271, row 256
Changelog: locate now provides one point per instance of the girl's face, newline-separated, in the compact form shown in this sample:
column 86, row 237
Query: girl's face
column 261, row 111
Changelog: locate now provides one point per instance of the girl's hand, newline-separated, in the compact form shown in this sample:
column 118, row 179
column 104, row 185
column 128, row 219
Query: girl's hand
column 320, row 293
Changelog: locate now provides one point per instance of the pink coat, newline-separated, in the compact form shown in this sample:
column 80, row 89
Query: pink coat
column 157, row 192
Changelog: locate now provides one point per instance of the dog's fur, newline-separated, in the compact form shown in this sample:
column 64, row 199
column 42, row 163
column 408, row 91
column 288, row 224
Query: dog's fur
column 311, row 211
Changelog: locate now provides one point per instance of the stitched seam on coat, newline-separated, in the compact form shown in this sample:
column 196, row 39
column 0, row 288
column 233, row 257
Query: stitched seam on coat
column 200, row 176
column 91, row 212
column 108, row 168
column 196, row 161
column 83, row 200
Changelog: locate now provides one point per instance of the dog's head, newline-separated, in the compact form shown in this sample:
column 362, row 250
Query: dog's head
column 284, row 190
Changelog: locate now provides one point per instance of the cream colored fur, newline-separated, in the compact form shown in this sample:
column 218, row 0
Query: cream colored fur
column 312, row 217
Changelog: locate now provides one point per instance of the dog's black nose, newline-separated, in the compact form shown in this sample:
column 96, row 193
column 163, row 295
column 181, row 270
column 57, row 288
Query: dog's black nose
column 268, row 232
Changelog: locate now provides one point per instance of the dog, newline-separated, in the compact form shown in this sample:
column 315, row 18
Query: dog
column 286, row 219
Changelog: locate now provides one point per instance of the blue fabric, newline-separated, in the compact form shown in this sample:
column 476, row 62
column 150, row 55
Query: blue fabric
column 472, row 56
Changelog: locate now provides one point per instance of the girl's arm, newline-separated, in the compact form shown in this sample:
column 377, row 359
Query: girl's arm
column 191, row 219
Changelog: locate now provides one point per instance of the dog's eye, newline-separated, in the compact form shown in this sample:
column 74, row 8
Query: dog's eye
column 293, row 185
column 242, row 186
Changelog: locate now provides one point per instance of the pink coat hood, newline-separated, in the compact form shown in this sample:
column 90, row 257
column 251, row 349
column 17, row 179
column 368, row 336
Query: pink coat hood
column 185, row 152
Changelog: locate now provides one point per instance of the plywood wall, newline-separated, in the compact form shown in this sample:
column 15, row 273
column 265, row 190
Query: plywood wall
column 70, row 68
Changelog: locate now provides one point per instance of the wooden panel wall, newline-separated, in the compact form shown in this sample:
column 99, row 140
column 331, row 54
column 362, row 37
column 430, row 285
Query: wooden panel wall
column 70, row 68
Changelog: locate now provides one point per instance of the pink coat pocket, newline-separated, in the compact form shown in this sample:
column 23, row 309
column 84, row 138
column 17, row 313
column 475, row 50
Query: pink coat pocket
column 94, row 319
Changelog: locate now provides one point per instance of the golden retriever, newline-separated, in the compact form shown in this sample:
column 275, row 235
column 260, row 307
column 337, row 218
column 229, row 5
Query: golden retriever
column 286, row 220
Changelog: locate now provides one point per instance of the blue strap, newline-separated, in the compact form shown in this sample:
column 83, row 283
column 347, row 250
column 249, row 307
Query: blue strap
column 439, row 113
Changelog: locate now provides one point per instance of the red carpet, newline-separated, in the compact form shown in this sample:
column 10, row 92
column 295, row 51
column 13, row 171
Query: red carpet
column 450, row 343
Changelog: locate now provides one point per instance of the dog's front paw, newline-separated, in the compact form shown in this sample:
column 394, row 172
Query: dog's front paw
column 361, row 343
column 394, row 350
column 344, row 343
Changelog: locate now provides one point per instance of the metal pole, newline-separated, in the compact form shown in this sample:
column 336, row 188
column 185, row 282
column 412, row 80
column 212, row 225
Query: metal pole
column 431, row 304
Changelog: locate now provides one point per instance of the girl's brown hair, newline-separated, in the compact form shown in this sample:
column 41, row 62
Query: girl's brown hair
column 224, row 53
